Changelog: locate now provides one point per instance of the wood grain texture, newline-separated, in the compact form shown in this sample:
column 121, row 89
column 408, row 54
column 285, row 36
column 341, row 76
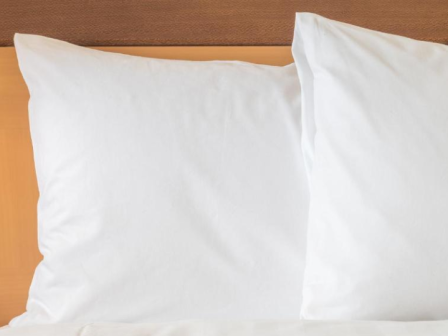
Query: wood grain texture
column 19, row 254
column 210, row 22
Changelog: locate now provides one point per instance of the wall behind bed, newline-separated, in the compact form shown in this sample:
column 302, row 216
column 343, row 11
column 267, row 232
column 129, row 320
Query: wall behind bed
column 152, row 23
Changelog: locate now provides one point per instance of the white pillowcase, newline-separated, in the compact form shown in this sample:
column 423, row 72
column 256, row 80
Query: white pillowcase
column 376, row 145
column 168, row 189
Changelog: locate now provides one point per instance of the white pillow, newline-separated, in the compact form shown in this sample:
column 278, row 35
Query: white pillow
column 376, row 144
column 168, row 189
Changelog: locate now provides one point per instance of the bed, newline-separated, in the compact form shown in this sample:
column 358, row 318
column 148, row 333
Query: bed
column 253, row 31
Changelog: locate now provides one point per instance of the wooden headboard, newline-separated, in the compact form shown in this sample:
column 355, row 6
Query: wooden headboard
column 210, row 22
column 235, row 24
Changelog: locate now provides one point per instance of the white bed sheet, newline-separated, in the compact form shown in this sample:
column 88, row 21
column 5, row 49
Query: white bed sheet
column 265, row 328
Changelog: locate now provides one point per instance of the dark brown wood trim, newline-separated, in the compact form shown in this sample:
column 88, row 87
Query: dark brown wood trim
column 210, row 22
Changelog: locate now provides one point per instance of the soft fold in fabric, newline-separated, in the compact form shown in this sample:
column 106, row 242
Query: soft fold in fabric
column 375, row 109
column 169, row 190
column 238, row 328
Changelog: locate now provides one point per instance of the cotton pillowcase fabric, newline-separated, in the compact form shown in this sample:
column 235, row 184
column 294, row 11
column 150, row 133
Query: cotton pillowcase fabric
column 169, row 190
column 375, row 109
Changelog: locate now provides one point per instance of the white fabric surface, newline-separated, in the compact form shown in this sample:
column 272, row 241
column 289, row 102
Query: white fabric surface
column 375, row 110
column 260, row 328
column 168, row 189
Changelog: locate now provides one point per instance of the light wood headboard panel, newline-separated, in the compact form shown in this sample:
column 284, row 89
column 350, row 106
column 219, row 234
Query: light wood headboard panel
column 18, row 187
